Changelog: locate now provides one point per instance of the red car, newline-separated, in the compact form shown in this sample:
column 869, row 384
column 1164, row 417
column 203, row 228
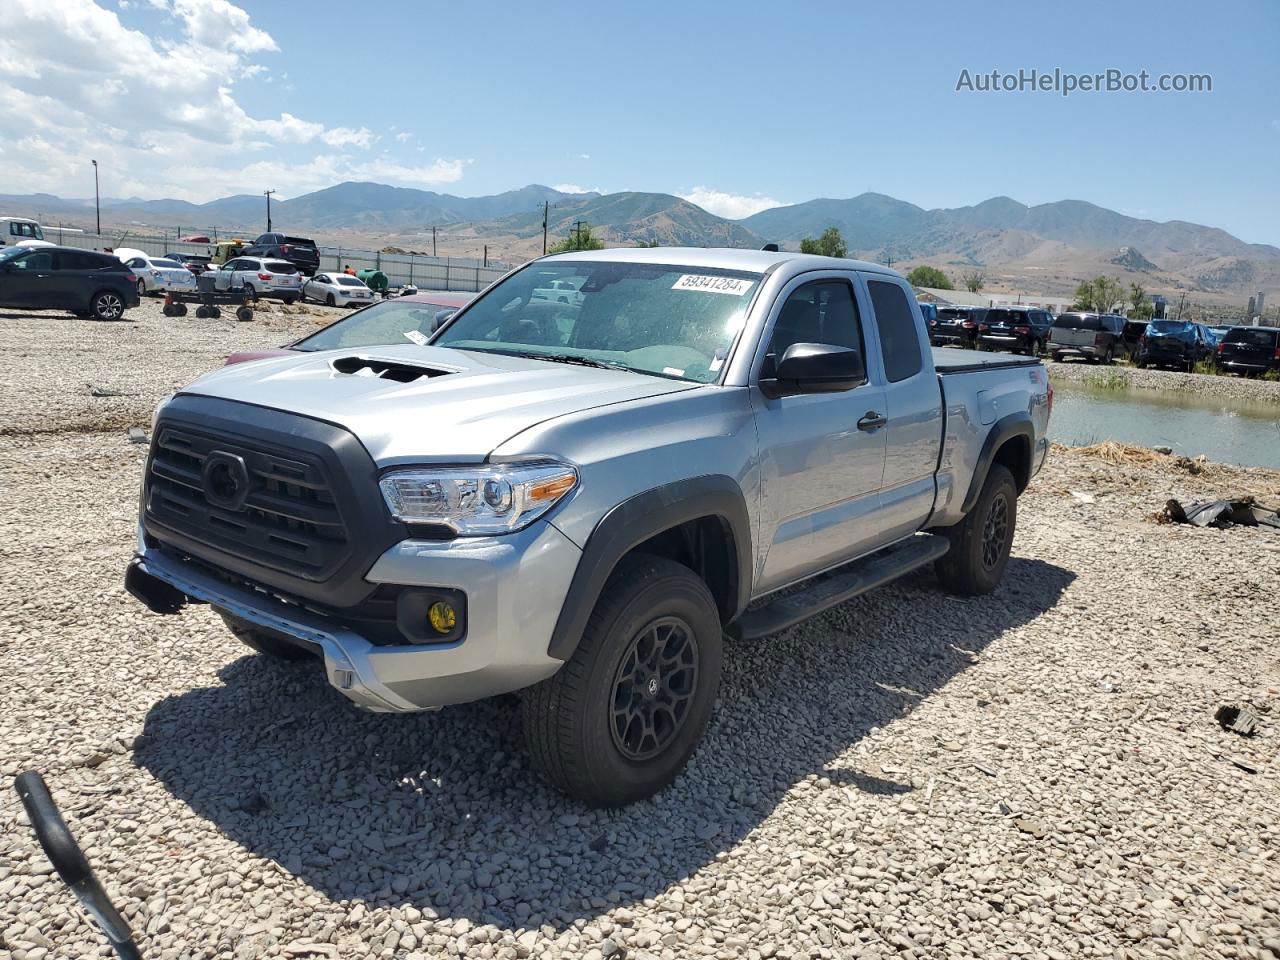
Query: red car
column 411, row 319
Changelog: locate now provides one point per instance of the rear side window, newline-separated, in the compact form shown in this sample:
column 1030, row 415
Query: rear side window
column 899, row 341
column 70, row 260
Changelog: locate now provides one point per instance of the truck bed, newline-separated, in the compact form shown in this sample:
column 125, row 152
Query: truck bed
column 950, row 360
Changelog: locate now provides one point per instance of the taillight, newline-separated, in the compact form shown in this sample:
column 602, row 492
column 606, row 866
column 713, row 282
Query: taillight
column 1022, row 330
column 284, row 248
column 1222, row 347
column 264, row 276
column 968, row 324
column 1276, row 355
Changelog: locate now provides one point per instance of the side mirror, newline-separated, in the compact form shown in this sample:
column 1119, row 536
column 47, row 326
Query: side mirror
column 440, row 319
column 815, row 368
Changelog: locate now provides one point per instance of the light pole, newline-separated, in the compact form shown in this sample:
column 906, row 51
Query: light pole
column 267, row 194
column 97, row 206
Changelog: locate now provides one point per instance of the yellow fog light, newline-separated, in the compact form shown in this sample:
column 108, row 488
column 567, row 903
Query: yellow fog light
column 442, row 617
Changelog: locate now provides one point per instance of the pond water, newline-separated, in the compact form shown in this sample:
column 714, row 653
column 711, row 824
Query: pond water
column 1227, row 431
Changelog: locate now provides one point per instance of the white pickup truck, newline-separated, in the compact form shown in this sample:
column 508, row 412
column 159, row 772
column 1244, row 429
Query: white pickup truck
column 586, row 501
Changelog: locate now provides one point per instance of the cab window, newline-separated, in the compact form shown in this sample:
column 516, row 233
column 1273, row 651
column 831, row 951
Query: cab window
column 820, row 312
column 899, row 341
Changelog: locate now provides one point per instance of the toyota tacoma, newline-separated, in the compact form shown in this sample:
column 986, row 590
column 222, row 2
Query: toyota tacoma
column 587, row 501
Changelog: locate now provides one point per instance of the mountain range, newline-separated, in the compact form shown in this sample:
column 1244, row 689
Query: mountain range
column 1054, row 244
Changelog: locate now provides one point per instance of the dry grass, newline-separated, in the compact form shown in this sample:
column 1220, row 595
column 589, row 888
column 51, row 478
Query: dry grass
column 1111, row 452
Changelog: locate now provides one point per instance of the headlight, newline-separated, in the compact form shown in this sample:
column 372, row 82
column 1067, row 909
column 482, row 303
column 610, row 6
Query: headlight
column 480, row 500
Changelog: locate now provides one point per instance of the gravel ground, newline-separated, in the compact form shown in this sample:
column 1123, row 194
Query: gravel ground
column 1198, row 384
column 1037, row 773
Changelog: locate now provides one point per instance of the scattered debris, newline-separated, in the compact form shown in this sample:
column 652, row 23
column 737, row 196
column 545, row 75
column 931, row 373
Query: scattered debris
column 983, row 768
column 1243, row 719
column 107, row 392
column 1167, row 451
column 1032, row 827
column 1108, row 686
column 137, row 435
column 1083, row 497
column 1245, row 512
column 1248, row 766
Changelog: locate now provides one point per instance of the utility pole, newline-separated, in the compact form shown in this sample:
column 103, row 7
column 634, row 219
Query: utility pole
column 433, row 241
column 97, row 208
column 577, row 233
column 546, row 209
column 486, row 254
column 267, row 194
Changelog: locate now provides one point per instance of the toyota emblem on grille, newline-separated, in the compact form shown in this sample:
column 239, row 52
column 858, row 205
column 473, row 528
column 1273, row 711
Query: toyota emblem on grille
column 225, row 479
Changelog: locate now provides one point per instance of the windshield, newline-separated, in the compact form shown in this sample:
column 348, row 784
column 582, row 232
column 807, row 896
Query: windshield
column 1169, row 327
column 1077, row 321
column 1257, row 337
column 671, row 321
column 389, row 322
column 951, row 315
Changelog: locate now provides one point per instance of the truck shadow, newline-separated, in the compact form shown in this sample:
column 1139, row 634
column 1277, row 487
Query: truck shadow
column 442, row 811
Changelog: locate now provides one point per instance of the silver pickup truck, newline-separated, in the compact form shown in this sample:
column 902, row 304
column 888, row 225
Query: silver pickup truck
column 583, row 501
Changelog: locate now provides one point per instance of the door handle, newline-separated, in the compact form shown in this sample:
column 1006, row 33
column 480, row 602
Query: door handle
column 872, row 421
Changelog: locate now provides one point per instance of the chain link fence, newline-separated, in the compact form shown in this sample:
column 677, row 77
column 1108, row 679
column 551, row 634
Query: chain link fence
column 463, row 274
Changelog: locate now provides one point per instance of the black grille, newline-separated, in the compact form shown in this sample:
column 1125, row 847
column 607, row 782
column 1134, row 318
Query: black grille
column 288, row 520
column 278, row 499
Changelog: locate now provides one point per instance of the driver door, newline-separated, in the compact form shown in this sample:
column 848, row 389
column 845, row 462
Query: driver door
column 27, row 280
column 822, row 455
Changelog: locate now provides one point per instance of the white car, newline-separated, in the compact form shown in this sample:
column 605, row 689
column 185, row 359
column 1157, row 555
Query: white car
column 21, row 232
column 560, row 291
column 158, row 275
column 260, row 277
column 337, row 290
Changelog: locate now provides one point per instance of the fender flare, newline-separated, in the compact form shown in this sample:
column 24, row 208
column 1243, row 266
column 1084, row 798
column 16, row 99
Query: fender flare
column 634, row 521
column 1006, row 428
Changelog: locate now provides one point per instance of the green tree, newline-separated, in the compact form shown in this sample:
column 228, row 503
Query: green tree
column 1140, row 306
column 830, row 244
column 1100, row 295
column 974, row 281
column 929, row 277
column 579, row 238
column 647, row 243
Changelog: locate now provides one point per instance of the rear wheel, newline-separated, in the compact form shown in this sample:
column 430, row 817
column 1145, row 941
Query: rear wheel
column 1109, row 356
column 250, row 291
column 244, row 314
column 621, row 718
column 264, row 643
column 107, row 305
column 981, row 542
column 290, row 301
column 202, row 312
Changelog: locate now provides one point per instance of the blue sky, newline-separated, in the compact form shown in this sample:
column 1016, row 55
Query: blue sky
column 736, row 104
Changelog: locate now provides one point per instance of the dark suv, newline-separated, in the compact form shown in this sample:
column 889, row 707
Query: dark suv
column 957, row 325
column 1020, row 329
column 1249, row 350
column 65, row 278
column 1173, row 343
column 299, row 251
column 1094, row 336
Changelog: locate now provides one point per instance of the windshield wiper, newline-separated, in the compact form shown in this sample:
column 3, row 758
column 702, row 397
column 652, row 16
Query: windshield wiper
column 570, row 358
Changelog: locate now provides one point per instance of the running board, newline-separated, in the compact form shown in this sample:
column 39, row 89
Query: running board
column 841, row 584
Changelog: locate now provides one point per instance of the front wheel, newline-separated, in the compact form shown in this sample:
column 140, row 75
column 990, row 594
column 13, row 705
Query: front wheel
column 621, row 718
column 329, row 301
column 980, row 543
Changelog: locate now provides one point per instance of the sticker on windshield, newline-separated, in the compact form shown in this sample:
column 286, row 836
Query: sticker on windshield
column 673, row 372
column 734, row 286
column 416, row 337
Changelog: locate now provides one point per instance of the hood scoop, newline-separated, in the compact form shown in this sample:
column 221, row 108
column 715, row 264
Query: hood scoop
column 397, row 370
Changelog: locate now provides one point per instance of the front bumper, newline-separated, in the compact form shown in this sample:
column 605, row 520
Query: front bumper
column 515, row 586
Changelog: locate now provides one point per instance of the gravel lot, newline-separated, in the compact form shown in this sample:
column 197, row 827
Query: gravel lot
column 1037, row 773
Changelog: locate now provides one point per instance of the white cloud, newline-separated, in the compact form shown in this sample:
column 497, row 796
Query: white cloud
column 404, row 136
column 584, row 156
column 574, row 188
column 730, row 205
column 159, row 109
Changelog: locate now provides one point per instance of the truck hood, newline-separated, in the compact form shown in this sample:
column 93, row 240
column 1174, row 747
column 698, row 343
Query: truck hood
column 427, row 404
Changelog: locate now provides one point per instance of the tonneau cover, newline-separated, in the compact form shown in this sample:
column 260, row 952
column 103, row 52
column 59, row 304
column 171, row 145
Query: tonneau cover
column 949, row 360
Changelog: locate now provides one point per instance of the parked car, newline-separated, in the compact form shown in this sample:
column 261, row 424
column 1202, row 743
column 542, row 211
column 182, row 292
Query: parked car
column 1093, row 336
column 274, row 279
column 1133, row 331
column 195, row 238
column 957, row 325
column 413, row 319
column 160, row 275
column 226, row 250
column 88, row 284
column 300, row 251
column 197, row 263
column 21, row 232
column 1218, row 333
column 1249, row 351
column 559, row 291
column 1173, row 343
column 547, row 499
column 1018, row 329
column 337, row 290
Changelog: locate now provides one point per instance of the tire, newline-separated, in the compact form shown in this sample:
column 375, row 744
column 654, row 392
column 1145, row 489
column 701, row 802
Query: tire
column 202, row 312
column 573, row 734
column 244, row 314
column 329, row 301
column 215, row 313
column 180, row 310
column 1108, row 357
column 250, row 292
column 262, row 642
column 290, row 301
column 168, row 310
column 107, row 305
column 1057, row 358
column 980, row 542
